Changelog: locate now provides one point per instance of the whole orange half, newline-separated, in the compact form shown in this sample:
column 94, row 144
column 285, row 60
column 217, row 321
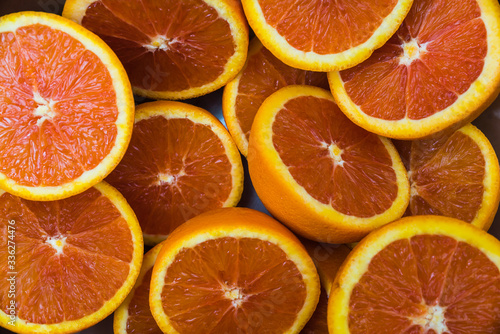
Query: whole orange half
column 66, row 264
column 171, row 49
column 422, row 274
column 320, row 174
column 233, row 270
column 66, row 107
column 439, row 70
column 181, row 162
column 318, row 35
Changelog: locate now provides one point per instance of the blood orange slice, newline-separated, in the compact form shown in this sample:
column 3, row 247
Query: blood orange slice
column 440, row 69
column 262, row 75
column 453, row 174
column 322, row 35
column 134, row 315
column 319, row 173
column 67, row 107
column 181, row 162
column 423, row 274
column 233, row 270
column 74, row 260
column 172, row 49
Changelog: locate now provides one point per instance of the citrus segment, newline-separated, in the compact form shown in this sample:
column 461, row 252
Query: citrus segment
column 170, row 49
column 316, row 171
column 324, row 36
column 439, row 69
column 181, row 162
column 453, row 174
column 75, row 259
column 67, row 107
column 134, row 315
column 425, row 274
column 233, row 270
column 262, row 75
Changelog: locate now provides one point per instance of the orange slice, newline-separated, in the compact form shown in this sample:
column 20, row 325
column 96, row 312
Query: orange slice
column 320, row 174
column 134, row 315
column 233, row 270
column 424, row 274
column 328, row 258
column 172, row 49
column 74, row 260
column 439, row 70
column 262, row 75
column 67, row 107
column 453, row 174
column 324, row 35
column 181, row 162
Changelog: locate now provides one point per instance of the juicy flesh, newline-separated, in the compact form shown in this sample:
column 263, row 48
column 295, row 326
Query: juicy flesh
column 140, row 320
column 71, row 256
column 446, row 175
column 263, row 75
column 58, row 107
column 326, row 27
column 270, row 288
column 334, row 160
column 435, row 56
column 173, row 170
column 429, row 284
column 165, row 45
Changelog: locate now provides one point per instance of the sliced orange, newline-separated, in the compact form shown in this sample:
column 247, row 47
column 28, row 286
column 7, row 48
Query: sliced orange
column 422, row 274
column 439, row 70
column 320, row 174
column 67, row 107
column 453, row 174
column 181, row 162
column 328, row 258
column 134, row 315
column 74, row 260
column 171, row 49
column 322, row 35
column 233, row 270
column 262, row 75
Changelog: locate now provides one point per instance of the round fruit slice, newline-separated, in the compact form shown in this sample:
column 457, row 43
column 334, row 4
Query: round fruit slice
column 453, row 174
column 328, row 258
column 171, row 49
column 233, row 270
column 262, row 75
column 134, row 315
column 67, row 107
column 66, row 265
column 424, row 274
column 439, row 70
column 181, row 162
column 322, row 35
column 320, row 174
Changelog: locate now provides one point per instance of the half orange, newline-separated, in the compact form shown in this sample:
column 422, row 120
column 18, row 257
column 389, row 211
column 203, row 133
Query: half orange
column 320, row 174
column 181, row 162
column 172, row 49
column 233, row 270
column 454, row 174
column 67, row 264
column 423, row 274
column 319, row 35
column 262, row 75
column 67, row 107
column 439, row 70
